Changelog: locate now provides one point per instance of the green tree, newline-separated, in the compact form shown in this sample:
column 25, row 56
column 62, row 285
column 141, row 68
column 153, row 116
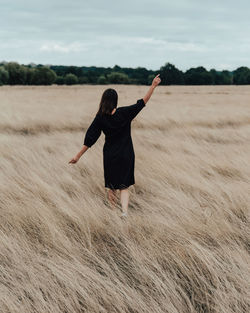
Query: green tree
column 43, row 76
column 30, row 73
column 117, row 78
column 221, row 77
column 74, row 70
column 83, row 80
column 241, row 76
column 216, row 77
column 116, row 68
column 17, row 73
column 248, row 78
column 226, row 77
column 138, row 75
column 134, row 81
column 198, row 76
column 102, row 80
column 170, row 75
column 59, row 80
column 71, row 79
column 4, row 76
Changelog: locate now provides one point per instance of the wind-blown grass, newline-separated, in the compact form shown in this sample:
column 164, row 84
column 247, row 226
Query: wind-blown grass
column 185, row 245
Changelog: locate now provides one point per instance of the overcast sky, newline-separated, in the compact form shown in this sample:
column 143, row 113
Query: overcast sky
column 129, row 33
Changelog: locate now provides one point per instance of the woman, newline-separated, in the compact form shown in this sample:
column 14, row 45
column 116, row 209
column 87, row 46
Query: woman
column 118, row 151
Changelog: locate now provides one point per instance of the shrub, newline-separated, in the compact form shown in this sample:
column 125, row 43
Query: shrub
column 17, row 73
column 43, row 76
column 4, row 76
column 71, row 79
column 118, row 78
column 102, row 80
column 83, row 80
column 60, row 80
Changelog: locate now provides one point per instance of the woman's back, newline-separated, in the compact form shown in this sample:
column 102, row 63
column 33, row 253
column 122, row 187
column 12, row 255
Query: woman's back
column 116, row 127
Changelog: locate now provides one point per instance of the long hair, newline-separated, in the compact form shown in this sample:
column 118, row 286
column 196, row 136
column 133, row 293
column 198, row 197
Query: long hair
column 108, row 102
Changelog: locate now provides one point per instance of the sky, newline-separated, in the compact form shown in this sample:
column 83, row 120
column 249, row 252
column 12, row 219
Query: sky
column 128, row 33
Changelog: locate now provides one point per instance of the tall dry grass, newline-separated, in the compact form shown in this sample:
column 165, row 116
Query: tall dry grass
column 185, row 245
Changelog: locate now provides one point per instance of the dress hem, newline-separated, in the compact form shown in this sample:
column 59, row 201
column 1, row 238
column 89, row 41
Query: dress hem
column 114, row 187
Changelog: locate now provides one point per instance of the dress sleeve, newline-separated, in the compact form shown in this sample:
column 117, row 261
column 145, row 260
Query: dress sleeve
column 93, row 133
column 132, row 110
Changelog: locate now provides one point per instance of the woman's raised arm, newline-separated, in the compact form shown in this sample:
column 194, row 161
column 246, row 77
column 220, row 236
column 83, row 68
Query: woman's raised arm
column 156, row 81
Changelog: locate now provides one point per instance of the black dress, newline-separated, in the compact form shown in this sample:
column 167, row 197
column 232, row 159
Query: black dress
column 118, row 151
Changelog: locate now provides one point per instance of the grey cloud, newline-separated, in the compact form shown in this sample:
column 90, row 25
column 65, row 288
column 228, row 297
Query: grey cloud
column 129, row 33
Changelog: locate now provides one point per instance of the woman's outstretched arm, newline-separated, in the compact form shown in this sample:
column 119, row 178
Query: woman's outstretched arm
column 79, row 154
column 91, row 136
column 156, row 81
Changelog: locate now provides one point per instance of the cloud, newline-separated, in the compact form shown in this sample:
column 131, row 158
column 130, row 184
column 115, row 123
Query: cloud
column 117, row 42
column 164, row 44
column 133, row 33
column 63, row 47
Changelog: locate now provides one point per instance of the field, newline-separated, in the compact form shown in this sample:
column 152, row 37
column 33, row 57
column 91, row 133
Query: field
column 184, row 248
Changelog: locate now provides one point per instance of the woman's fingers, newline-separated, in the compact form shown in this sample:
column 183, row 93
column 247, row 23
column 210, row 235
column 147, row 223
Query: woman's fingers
column 157, row 79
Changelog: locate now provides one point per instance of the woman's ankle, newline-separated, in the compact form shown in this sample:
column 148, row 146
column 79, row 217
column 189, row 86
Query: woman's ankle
column 124, row 210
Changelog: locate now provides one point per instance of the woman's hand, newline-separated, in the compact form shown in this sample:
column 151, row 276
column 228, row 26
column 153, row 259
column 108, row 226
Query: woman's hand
column 156, row 81
column 79, row 154
column 74, row 160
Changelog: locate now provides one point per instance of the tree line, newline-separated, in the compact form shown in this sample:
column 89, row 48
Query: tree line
column 13, row 73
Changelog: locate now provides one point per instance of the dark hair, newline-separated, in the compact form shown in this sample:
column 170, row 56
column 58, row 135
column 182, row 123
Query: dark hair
column 108, row 102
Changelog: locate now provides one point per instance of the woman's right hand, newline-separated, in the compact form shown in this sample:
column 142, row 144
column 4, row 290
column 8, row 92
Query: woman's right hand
column 156, row 81
column 74, row 160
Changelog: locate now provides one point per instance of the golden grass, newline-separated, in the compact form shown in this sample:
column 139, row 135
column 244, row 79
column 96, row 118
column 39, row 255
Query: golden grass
column 185, row 245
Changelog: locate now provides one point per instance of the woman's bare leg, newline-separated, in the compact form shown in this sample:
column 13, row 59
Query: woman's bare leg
column 112, row 197
column 124, row 199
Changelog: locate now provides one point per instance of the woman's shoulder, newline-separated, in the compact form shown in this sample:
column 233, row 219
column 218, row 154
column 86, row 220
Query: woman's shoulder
column 139, row 102
column 98, row 117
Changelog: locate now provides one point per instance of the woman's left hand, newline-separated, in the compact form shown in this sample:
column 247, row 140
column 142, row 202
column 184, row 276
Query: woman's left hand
column 74, row 160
